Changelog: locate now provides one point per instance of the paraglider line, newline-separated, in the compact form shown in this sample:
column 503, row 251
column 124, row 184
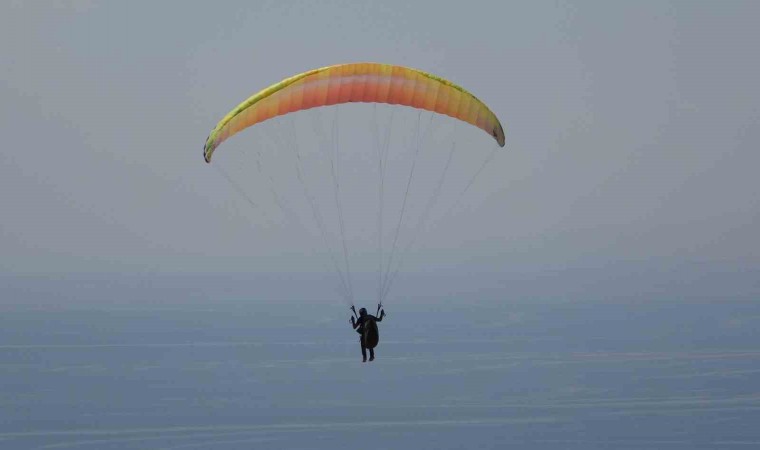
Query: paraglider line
column 334, row 168
column 423, row 220
column 418, row 144
column 382, row 152
column 316, row 214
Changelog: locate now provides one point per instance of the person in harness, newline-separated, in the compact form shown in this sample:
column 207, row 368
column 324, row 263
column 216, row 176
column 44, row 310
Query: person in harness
column 366, row 325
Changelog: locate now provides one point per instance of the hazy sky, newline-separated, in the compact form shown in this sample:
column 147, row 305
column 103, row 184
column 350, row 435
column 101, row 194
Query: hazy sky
column 632, row 127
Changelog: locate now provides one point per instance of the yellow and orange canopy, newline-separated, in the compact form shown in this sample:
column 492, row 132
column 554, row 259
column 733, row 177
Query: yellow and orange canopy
column 356, row 82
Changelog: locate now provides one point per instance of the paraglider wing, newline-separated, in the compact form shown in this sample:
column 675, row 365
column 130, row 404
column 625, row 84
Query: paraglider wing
column 356, row 82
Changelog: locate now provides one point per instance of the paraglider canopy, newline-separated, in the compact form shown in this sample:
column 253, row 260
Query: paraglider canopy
column 356, row 82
